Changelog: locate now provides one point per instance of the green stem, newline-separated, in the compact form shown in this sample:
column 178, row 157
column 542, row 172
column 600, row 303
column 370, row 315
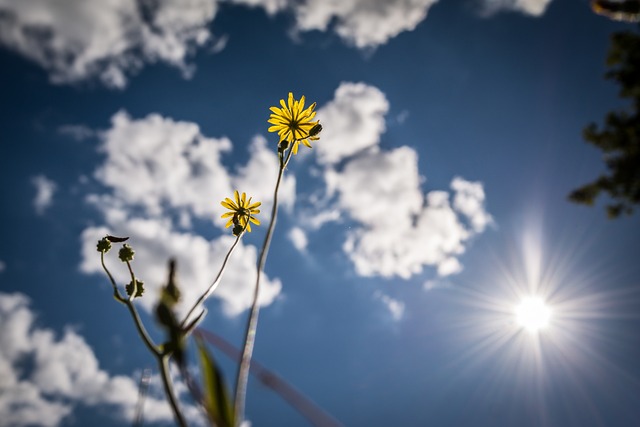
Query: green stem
column 116, row 292
column 215, row 282
column 252, row 322
column 163, row 364
column 161, row 357
column 141, row 329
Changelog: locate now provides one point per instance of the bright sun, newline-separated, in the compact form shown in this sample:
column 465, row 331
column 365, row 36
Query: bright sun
column 533, row 314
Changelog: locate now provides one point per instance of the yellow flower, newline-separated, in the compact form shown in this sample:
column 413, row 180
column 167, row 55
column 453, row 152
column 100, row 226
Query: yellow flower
column 293, row 123
column 242, row 212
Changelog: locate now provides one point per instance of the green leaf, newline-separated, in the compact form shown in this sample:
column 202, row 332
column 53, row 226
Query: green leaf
column 216, row 398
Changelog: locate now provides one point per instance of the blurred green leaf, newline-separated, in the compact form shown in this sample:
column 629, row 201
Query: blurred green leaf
column 216, row 398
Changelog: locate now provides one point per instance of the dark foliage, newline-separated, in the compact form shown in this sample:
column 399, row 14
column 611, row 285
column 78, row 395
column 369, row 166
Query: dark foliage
column 619, row 138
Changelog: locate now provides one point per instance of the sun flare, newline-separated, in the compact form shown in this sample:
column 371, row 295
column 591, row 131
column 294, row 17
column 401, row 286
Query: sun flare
column 533, row 314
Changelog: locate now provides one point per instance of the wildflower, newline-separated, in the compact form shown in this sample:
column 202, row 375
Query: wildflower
column 242, row 212
column 293, row 123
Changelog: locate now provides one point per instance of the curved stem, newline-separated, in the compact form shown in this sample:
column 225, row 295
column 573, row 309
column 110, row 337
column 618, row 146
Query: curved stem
column 141, row 330
column 163, row 364
column 215, row 282
column 252, row 323
column 116, row 292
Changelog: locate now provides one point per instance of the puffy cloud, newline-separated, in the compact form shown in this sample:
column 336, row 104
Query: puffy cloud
column 64, row 372
column 298, row 238
column 395, row 307
column 528, row 7
column 469, row 200
column 430, row 238
column 172, row 164
column 178, row 175
column 77, row 40
column 45, row 189
column 356, row 118
column 398, row 229
column 362, row 23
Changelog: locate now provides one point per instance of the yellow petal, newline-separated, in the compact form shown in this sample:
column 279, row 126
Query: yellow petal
column 237, row 196
column 254, row 220
column 229, row 205
column 295, row 148
column 305, row 142
column 301, row 104
column 254, row 205
column 229, row 223
column 227, row 215
column 244, row 198
column 290, row 101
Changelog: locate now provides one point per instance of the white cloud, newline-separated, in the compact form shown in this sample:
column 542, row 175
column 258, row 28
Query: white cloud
column 172, row 164
column 528, row 7
column 178, row 175
column 77, row 40
column 469, row 200
column 298, row 238
column 77, row 132
column 64, row 372
column 396, row 308
column 398, row 229
column 270, row 6
column 362, row 23
column 354, row 121
column 449, row 266
column 45, row 189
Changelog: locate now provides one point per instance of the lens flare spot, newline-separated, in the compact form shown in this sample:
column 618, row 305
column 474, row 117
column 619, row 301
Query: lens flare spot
column 533, row 314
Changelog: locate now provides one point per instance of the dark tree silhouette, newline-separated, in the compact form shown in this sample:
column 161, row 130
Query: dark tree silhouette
column 619, row 138
column 618, row 10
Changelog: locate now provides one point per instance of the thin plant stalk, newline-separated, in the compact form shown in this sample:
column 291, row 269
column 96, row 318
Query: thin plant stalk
column 163, row 365
column 252, row 322
column 215, row 282
column 161, row 357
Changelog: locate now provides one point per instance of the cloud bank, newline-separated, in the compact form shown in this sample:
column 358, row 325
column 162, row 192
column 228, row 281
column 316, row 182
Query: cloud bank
column 63, row 372
column 398, row 228
column 79, row 40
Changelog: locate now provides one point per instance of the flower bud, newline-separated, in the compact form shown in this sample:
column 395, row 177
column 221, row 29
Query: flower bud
column 237, row 230
column 104, row 245
column 126, row 253
column 315, row 130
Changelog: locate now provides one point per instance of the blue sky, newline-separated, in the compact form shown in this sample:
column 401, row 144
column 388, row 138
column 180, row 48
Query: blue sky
column 433, row 203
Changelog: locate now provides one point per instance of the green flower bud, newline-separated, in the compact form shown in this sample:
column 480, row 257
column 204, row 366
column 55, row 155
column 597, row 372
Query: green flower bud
column 104, row 245
column 283, row 146
column 237, row 230
column 315, row 130
column 126, row 253
column 139, row 288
